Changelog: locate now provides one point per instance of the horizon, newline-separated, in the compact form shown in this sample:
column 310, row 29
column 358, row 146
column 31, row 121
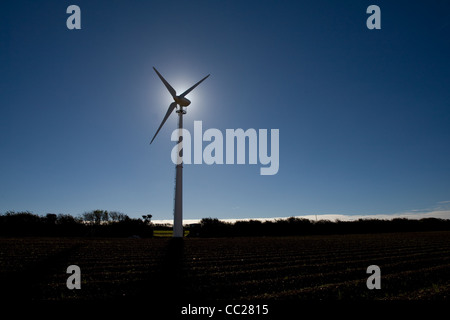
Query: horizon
column 439, row 212
column 362, row 114
column 444, row 215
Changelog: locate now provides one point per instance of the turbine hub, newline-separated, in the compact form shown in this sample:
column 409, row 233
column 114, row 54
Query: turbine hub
column 182, row 101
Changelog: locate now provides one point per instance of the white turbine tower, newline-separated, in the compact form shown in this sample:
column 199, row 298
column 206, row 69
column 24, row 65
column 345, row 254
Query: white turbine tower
column 181, row 101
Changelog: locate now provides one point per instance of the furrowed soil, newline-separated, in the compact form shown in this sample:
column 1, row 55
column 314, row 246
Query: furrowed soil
column 414, row 266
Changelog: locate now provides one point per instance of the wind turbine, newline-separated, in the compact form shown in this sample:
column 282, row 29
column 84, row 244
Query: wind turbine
column 180, row 101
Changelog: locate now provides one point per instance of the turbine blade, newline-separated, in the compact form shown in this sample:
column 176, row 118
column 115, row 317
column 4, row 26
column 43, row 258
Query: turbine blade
column 169, row 111
column 193, row 87
column 168, row 86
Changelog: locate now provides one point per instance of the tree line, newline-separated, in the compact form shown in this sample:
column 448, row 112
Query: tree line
column 213, row 227
column 96, row 223
column 102, row 223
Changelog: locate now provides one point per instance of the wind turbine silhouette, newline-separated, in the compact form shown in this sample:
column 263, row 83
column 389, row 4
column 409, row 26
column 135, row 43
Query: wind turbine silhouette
column 180, row 101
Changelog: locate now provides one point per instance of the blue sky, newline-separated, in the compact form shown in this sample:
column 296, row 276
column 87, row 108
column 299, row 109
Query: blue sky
column 363, row 115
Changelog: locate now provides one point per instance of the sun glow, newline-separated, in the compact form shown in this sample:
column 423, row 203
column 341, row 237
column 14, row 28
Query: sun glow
column 180, row 82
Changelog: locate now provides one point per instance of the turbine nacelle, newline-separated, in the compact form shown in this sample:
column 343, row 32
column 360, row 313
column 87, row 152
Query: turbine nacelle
column 182, row 101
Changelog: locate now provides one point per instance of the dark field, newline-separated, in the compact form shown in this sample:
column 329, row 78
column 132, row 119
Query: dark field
column 413, row 266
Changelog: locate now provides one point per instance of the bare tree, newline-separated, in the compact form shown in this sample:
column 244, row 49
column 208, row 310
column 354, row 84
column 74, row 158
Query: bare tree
column 147, row 218
column 88, row 217
column 96, row 216
column 114, row 216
